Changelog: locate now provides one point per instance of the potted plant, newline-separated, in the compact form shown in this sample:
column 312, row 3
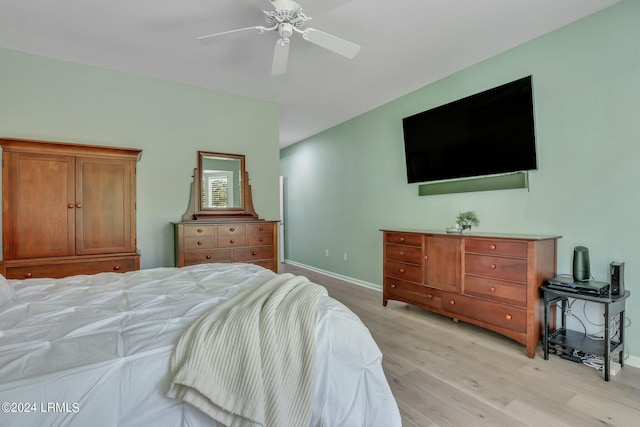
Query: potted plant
column 467, row 219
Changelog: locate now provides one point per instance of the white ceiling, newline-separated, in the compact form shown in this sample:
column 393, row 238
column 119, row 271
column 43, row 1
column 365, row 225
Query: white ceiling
column 406, row 44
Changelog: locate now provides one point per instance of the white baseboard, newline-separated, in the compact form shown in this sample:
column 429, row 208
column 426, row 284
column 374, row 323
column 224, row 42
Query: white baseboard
column 337, row 276
column 633, row 361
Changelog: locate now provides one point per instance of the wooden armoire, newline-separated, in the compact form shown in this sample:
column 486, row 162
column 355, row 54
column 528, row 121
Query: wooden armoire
column 67, row 209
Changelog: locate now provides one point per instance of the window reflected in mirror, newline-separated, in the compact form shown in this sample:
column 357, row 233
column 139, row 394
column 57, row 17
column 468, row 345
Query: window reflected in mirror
column 221, row 181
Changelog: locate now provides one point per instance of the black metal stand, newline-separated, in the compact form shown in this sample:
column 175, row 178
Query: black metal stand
column 613, row 305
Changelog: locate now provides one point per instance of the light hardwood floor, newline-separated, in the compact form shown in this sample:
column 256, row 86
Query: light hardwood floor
column 455, row 374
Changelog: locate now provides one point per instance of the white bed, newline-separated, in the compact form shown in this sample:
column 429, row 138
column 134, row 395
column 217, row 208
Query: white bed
column 95, row 350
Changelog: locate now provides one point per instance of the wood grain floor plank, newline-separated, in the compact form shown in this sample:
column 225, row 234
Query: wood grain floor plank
column 455, row 374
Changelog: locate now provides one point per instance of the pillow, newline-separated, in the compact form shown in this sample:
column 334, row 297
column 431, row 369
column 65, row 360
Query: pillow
column 7, row 293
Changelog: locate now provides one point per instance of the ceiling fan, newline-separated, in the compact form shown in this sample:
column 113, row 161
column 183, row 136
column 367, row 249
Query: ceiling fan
column 286, row 17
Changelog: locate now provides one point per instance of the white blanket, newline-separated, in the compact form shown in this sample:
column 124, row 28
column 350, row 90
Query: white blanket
column 250, row 361
column 98, row 349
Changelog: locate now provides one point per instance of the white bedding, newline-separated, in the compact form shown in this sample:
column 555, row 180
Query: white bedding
column 95, row 350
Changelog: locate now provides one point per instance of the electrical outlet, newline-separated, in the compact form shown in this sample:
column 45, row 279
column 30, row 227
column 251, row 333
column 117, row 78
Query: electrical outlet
column 345, row 257
column 326, row 253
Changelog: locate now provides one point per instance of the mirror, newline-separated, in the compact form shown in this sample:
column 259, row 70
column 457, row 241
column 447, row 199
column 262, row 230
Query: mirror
column 220, row 188
column 220, row 181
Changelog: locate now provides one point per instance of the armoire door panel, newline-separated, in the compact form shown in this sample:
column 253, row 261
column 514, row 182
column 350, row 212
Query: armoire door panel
column 103, row 206
column 42, row 219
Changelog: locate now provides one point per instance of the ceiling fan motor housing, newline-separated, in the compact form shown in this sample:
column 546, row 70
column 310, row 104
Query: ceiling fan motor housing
column 286, row 11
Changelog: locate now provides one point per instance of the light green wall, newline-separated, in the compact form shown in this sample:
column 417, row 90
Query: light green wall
column 346, row 183
column 42, row 98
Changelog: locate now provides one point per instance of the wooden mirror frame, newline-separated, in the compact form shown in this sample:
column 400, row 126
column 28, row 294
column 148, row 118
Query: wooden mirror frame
column 196, row 211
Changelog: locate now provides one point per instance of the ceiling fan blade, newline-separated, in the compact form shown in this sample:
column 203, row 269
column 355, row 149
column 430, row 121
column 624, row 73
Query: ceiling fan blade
column 331, row 42
column 280, row 57
column 240, row 32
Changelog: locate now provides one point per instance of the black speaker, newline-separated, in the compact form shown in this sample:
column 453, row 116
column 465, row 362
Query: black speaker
column 581, row 267
column 617, row 278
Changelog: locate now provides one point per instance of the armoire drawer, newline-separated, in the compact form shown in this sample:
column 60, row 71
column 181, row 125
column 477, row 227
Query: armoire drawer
column 501, row 315
column 512, row 269
column 68, row 267
column 496, row 290
column 412, row 273
column 407, row 254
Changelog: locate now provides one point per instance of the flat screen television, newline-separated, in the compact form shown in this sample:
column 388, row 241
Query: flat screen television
column 489, row 133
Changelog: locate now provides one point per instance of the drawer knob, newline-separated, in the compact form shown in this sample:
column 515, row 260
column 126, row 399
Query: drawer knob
column 254, row 253
column 232, row 241
column 116, row 268
column 199, row 230
column 401, row 253
column 78, row 205
column 452, row 302
column 401, row 271
column 70, row 205
column 208, row 257
column 492, row 247
column 402, row 239
column 492, row 289
column 27, row 275
column 426, row 257
column 232, row 229
column 508, row 317
column 261, row 228
column 393, row 285
column 261, row 240
column 199, row 242
column 493, row 266
column 429, row 296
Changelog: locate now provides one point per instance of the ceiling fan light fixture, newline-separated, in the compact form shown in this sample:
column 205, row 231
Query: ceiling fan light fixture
column 285, row 30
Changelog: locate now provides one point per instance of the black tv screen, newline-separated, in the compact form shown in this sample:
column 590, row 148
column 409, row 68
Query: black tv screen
column 491, row 132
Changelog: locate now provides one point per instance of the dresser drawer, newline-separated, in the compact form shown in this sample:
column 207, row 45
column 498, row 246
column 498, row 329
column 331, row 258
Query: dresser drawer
column 501, row 315
column 269, row 264
column 497, row 247
column 404, row 239
column 253, row 253
column 513, row 269
column 496, row 290
column 398, row 270
column 195, row 243
column 199, row 230
column 199, row 257
column 407, row 291
column 231, row 235
column 263, row 239
column 408, row 254
column 266, row 228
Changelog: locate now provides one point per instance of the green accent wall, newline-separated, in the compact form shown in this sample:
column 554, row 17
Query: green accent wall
column 47, row 99
column 344, row 184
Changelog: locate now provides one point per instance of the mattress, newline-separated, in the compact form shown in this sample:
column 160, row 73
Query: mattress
column 95, row 350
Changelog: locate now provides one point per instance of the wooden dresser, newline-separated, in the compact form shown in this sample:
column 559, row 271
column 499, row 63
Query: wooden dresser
column 489, row 280
column 198, row 242
column 67, row 209
column 230, row 232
